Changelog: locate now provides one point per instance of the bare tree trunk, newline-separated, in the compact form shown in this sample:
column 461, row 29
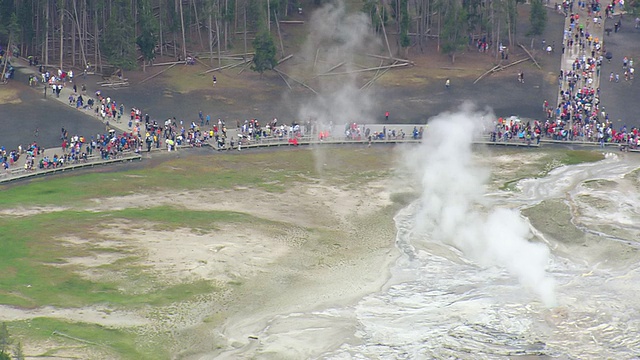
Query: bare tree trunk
column 184, row 40
column 80, row 36
column 226, row 25
column 245, row 28
column 384, row 32
column 439, row 17
column 134, row 16
column 3, row 79
column 421, row 24
column 498, row 40
column 427, row 20
column 160, row 27
column 210, row 39
column 37, row 26
column 279, row 34
column 268, row 16
column 218, row 38
column 96, row 46
column 195, row 10
column 398, row 27
column 510, row 23
column 46, row 35
column 85, row 31
column 74, row 33
column 61, row 34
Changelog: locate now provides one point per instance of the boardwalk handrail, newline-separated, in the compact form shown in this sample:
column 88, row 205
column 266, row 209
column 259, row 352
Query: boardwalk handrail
column 9, row 176
column 25, row 174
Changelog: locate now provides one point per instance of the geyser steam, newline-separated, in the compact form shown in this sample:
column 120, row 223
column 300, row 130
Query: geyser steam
column 454, row 210
column 336, row 39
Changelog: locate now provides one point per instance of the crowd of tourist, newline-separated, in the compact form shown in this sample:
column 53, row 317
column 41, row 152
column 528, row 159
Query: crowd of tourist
column 9, row 158
column 143, row 132
column 579, row 115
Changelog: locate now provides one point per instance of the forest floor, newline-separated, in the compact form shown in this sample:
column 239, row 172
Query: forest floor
column 411, row 94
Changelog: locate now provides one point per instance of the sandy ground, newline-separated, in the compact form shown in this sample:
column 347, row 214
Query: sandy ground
column 260, row 271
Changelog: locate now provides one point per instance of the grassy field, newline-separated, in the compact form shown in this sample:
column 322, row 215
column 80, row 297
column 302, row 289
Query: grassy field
column 263, row 170
column 35, row 246
column 35, row 271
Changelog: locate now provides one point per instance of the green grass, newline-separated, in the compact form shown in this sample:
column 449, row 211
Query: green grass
column 31, row 248
column 550, row 159
column 113, row 342
column 574, row 157
column 34, row 254
column 269, row 171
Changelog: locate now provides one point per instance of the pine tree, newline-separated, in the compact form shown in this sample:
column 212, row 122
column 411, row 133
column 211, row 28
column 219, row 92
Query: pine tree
column 265, row 52
column 148, row 37
column 454, row 30
column 404, row 24
column 537, row 17
column 5, row 342
column 118, row 42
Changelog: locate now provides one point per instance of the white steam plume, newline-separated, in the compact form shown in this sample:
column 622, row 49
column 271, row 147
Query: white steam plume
column 454, row 210
column 337, row 37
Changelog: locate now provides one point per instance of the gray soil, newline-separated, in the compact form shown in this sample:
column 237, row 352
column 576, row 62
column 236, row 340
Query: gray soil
column 620, row 98
column 407, row 104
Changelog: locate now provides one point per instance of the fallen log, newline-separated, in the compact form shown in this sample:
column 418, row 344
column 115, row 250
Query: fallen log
column 377, row 76
column 117, row 84
column 230, row 66
column 168, row 63
column 156, row 74
column 334, row 67
column 367, row 69
column 284, row 59
column 230, row 56
column 297, row 81
column 531, row 56
column 202, row 62
column 391, row 58
column 244, row 67
column 330, row 70
column 283, row 79
column 490, row 71
column 500, row 67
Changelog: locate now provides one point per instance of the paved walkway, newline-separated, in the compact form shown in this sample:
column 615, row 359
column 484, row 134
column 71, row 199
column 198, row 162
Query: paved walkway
column 67, row 90
column 572, row 53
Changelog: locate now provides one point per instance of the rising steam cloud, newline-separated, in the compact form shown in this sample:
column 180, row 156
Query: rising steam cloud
column 337, row 38
column 454, row 210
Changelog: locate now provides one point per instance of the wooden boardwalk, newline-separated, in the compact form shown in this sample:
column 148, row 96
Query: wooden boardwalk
column 18, row 173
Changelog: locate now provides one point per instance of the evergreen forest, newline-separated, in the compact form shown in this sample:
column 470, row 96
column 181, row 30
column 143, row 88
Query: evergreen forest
column 129, row 34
